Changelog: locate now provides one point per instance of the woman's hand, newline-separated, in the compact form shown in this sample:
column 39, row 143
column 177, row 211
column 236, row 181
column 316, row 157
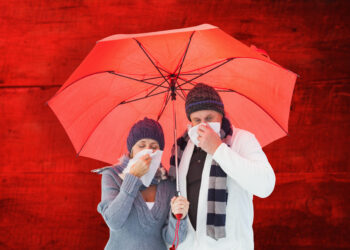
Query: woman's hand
column 141, row 166
column 179, row 205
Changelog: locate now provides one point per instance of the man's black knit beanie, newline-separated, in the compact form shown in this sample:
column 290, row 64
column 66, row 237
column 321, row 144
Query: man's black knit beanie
column 203, row 97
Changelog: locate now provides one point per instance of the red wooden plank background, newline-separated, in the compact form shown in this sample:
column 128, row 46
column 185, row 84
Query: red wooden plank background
column 48, row 197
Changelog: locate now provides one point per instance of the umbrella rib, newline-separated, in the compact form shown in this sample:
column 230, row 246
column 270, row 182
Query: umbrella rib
column 75, row 81
column 181, row 92
column 98, row 124
column 249, row 99
column 188, row 74
column 135, row 79
column 182, row 62
column 100, row 72
column 189, row 81
column 184, row 56
column 155, row 88
column 182, row 96
column 164, row 106
column 150, row 56
column 158, row 69
column 141, row 98
column 185, row 82
column 152, row 78
column 207, row 66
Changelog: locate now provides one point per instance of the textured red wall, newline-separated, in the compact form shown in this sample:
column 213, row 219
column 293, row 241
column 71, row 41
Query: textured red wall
column 48, row 197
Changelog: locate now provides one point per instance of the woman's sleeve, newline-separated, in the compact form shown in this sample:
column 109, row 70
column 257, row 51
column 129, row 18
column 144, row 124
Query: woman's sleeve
column 168, row 232
column 250, row 167
column 116, row 202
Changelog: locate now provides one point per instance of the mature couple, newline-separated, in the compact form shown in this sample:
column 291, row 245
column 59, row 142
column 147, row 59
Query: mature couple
column 220, row 169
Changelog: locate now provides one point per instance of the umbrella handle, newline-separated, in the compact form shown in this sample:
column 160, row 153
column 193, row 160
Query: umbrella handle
column 178, row 216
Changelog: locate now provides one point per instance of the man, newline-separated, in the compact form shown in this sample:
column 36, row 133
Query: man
column 219, row 176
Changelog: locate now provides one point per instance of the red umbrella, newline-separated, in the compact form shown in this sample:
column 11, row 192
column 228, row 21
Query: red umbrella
column 127, row 77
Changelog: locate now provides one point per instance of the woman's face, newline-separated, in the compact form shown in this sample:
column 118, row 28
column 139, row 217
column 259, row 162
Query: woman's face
column 142, row 144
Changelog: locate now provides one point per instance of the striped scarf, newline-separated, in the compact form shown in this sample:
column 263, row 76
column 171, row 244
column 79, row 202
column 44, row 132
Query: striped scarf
column 217, row 192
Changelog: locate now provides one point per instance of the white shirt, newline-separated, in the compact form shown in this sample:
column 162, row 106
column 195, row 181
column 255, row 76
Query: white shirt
column 150, row 205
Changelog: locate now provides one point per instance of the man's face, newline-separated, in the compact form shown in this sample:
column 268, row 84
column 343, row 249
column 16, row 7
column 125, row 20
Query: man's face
column 205, row 116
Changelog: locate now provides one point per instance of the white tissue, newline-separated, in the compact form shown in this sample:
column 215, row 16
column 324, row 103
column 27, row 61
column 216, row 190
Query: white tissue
column 155, row 163
column 193, row 131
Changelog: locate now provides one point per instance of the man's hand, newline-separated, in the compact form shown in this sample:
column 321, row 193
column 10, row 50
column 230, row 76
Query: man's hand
column 141, row 167
column 209, row 141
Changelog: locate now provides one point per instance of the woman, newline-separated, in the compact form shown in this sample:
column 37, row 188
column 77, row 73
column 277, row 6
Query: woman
column 138, row 217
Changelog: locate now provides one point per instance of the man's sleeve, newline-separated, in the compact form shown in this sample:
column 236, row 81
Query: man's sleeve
column 250, row 167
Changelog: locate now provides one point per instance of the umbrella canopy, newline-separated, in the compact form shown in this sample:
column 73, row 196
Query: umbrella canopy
column 127, row 77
